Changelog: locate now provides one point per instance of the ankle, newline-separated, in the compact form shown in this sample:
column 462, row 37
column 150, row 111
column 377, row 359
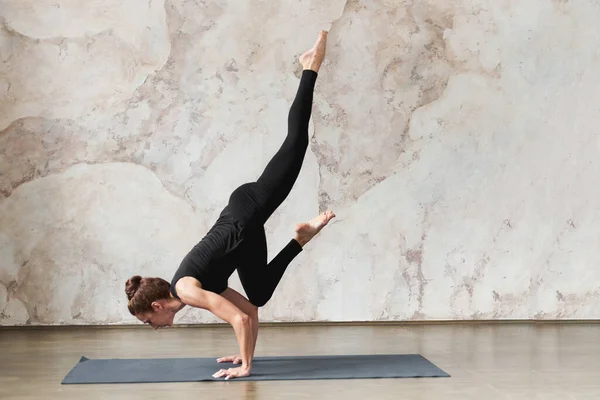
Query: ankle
column 302, row 240
column 311, row 66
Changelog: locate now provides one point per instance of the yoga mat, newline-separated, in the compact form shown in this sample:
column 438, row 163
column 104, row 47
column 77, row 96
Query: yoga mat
column 263, row 369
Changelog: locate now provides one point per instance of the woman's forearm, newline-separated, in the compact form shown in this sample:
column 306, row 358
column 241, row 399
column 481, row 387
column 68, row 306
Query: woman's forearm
column 254, row 333
column 243, row 328
column 250, row 310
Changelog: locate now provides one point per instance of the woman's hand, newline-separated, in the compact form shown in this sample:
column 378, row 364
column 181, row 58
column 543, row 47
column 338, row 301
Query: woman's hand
column 231, row 359
column 238, row 372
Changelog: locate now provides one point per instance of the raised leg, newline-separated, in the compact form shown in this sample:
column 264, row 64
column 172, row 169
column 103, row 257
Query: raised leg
column 281, row 173
column 257, row 201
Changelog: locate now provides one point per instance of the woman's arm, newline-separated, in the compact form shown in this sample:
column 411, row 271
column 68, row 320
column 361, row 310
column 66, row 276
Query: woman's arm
column 192, row 294
column 249, row 309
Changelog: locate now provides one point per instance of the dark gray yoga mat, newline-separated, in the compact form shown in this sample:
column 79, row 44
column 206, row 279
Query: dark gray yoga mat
column 263, row 369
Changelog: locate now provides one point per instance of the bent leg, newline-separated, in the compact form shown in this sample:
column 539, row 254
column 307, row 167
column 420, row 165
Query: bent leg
column 259, row 278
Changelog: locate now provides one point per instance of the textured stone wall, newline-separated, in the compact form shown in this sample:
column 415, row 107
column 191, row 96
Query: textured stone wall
column 456, row 141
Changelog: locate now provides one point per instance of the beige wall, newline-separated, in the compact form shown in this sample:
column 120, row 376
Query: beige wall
column 458, row 145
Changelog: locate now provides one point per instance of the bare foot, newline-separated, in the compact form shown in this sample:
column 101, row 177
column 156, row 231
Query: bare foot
column 307, row 230
column 313, row 58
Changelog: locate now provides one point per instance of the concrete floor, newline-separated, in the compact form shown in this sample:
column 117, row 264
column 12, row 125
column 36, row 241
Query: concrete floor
column 495, row 361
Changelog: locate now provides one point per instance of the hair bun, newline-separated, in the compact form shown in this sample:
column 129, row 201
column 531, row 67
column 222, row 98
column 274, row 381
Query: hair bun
column 132, row 285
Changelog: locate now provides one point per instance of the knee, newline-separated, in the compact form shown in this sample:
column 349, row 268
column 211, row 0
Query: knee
column 259, row 301
column 253, row 312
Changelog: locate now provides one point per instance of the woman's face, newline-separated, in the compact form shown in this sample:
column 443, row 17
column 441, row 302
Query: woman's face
column 159, row 318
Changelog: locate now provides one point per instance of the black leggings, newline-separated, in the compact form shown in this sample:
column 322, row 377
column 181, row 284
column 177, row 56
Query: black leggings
column 253, row 203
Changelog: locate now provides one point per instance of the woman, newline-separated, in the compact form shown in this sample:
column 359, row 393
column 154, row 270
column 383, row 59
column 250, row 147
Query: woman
column 237, row 241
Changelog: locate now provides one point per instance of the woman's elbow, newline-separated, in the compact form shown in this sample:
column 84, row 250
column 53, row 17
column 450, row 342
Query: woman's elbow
column 242, row 321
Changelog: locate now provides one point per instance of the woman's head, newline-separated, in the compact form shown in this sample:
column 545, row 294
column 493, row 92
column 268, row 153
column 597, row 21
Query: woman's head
column 150, row 301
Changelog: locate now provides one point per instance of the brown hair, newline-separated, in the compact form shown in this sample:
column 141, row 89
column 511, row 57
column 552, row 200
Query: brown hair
column 141, row 292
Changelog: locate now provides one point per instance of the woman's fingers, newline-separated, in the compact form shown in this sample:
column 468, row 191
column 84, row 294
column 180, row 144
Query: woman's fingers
column 219, row 373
